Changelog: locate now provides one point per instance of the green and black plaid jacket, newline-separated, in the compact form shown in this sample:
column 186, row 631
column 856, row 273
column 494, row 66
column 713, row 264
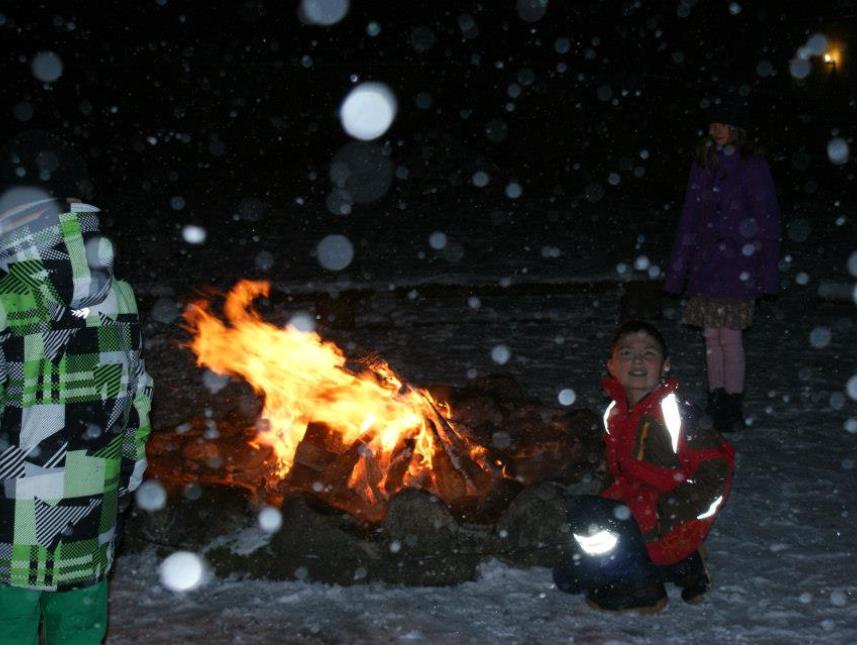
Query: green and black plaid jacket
column 74, row 397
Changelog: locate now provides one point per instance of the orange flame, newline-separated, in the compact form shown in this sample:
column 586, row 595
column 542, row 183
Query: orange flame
column 304, row 379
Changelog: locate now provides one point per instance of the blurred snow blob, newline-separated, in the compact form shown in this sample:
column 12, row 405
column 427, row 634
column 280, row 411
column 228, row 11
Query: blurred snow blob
column 264, row 260
column 621, row 512
column 820, row 337
column 852, row 263
column 335, row 252
column 151, row 496
column 165, row 310
column 193, row 234
column 566, row 396
column 837, row 151
column 500, row 354
column 270, row 519
column 302, row 321
column 851, row 387
column 322, row 12
column 838, row 598
column 437, row 240
column 214, row 382
column 817, row 45
column 368, row 111
column 531, row 10
column 513, row 190
column 46, row 66
column 182, row 571
column 99, row 253
column 799, row 67
column 480, row 179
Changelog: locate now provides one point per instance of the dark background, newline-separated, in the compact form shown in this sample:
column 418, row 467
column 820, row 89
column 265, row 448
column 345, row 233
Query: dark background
column 232, row 108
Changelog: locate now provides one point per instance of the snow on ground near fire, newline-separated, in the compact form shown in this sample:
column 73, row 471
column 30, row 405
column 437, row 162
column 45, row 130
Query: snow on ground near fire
column 782, row 553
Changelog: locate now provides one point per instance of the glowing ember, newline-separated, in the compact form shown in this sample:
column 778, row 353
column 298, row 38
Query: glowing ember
column 399, row 435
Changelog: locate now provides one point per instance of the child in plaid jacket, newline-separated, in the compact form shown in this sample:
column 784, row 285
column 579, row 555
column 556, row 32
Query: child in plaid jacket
column 74, row 418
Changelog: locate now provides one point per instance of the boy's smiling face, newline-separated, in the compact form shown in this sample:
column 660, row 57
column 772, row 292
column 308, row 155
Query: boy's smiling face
column 638, row 363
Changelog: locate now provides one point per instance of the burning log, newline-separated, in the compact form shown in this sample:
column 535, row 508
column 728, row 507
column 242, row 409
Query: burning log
column 202, row 452
column 317, row 452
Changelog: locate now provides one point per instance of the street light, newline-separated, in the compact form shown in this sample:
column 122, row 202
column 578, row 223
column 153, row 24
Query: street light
column 832, row 57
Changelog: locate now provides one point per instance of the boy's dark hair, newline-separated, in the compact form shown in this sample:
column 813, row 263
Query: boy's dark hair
column 635, row 327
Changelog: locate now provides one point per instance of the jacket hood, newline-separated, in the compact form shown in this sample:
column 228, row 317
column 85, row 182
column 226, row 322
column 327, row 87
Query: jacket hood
column 59, row 249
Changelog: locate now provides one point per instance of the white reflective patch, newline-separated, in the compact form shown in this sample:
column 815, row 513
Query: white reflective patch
column 81, row 207
column 711, row 509
column 599, row 543
column 137, row 476
column 80, row 313
column 44, row 483
column 607, row 415
column 672, row 418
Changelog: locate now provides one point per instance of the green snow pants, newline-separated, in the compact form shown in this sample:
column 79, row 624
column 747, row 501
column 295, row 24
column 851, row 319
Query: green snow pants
column 76, row 617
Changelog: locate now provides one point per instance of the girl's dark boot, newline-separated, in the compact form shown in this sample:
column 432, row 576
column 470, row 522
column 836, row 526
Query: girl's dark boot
column 733, row 412
column 715, row 409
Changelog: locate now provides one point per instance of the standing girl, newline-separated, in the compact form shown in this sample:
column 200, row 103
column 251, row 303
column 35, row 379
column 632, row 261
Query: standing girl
column 726, row 252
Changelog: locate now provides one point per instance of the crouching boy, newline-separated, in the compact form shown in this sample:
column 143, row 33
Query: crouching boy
column 669, row 477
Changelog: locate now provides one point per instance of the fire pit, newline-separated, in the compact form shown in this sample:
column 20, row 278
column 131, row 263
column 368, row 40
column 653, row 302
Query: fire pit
column 375, row 479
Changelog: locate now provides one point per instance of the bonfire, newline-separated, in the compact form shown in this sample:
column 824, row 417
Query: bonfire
column 352, row 433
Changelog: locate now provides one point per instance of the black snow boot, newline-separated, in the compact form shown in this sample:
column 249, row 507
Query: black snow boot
column 733, row 412
column 715, row 408
column 647, row 598
column 692, row 577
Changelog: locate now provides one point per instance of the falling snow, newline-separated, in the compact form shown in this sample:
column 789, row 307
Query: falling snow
column 468, row 192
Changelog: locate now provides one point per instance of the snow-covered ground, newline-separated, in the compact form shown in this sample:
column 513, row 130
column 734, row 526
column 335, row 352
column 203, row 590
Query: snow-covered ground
column 782, row 553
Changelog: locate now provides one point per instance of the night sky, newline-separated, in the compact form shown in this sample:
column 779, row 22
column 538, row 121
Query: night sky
column 232, row 107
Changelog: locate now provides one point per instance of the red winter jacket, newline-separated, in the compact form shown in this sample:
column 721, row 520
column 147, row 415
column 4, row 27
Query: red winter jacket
column 672, row 474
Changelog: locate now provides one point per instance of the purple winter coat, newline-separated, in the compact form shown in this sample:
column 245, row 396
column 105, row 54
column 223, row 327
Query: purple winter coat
column 728, row 239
